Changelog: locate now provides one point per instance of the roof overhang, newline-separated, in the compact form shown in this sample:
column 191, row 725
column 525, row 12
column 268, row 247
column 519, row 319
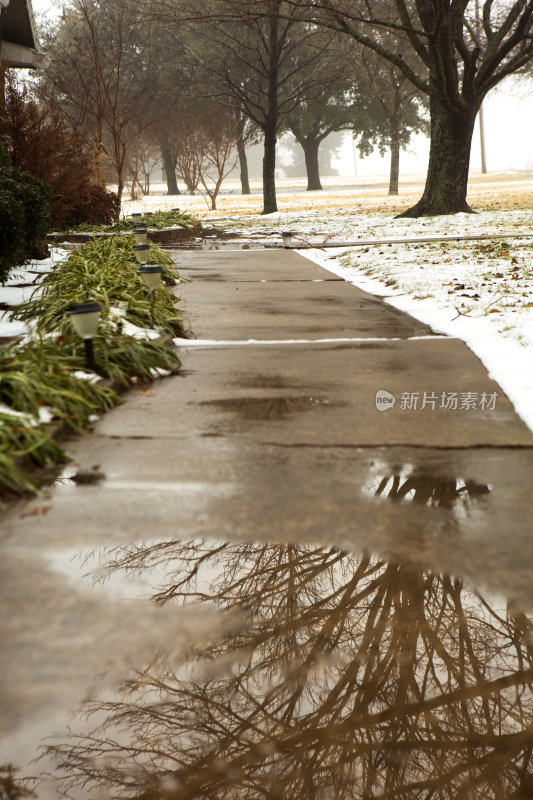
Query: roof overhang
column 18, row 41
column 15, row 55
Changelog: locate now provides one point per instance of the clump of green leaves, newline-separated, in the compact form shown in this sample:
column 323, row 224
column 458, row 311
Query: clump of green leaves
column 104, row 271
column 44, row 373
column 157, row 220
column 41, row 376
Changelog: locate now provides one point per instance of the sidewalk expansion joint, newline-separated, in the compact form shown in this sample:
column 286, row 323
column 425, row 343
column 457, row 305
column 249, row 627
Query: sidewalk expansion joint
column 318, row 446
column 395, row 445
column 180, row 342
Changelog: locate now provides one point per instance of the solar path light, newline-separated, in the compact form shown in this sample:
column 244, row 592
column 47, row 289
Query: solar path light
column 141, row 252
column 141, row 235
column 287, row 238
column 151, row 277
column 85, row 318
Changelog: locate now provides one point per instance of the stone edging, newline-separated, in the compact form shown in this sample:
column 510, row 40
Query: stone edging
column 163, row 236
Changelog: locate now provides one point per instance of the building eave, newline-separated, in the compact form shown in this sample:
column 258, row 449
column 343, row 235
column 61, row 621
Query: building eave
column 18, row 56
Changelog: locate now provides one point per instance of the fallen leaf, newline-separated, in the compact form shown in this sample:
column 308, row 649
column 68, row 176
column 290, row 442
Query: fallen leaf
column 38, row 511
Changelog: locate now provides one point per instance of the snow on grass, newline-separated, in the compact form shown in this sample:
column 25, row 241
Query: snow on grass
column 20, row 285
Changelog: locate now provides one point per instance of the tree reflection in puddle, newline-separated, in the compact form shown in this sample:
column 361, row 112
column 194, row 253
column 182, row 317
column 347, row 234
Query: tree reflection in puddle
column 348, row 677
column 418, row 485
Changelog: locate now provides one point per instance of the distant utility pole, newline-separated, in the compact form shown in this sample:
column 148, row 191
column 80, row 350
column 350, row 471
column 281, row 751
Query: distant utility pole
column 482, row 140
column 480, row 113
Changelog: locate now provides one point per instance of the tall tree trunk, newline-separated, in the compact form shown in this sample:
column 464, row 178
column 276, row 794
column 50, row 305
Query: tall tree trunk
column 2, row 87
column 270, row 204
column 243, row 165
column 394, row 176
column 449, row 159
column 169, row 164
column 270, row 127
column 310, row 147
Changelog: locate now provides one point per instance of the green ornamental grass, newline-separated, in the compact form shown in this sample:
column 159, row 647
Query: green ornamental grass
column 157, row 220
column 105, row 271
column 44, row 372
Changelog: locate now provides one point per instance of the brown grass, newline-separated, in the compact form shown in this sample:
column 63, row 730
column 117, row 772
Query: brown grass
column 493, row 192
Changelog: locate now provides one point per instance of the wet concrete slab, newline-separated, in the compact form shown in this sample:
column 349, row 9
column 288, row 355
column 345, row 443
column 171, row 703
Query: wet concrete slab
column 464, row 511
column 282, row 309
column 259, row 582
column 250, row 266
column 325, row 394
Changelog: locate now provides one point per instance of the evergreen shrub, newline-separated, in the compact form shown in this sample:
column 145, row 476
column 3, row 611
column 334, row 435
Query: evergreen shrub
column 25, row 211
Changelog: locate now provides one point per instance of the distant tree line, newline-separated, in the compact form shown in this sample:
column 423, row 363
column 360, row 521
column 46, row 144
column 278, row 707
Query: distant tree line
column 195, row 83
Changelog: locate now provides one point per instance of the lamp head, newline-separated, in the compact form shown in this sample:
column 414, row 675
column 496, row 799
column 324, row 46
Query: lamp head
column 85, row 318
column 151, row 275
column 141, row 251
column 141, row 235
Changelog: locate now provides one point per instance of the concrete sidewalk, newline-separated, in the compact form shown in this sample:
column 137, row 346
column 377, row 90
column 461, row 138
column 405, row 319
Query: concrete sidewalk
column 278, row 439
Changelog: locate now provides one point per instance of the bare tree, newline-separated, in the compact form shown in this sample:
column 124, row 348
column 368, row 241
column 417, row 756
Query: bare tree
column 216, row 140
column 456, row 65
column 338, row 107
column 259, row 58
column 102, row 71
column 246, row 134
column 141, row 157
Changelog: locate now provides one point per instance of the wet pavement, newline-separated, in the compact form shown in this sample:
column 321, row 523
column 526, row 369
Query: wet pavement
column 301, row 568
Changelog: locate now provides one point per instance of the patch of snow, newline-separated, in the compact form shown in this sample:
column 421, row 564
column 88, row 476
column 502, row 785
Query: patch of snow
column 27, row 419
column 92, row 377
column 46, row 415
column 8, row 328
column 139, row 333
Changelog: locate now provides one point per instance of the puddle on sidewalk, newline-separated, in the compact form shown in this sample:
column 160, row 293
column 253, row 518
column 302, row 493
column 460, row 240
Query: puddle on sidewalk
column 73, row 476
column 326, row 674
column 262, row 408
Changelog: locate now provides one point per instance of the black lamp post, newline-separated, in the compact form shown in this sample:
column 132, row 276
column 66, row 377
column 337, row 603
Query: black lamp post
column 85, row 318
